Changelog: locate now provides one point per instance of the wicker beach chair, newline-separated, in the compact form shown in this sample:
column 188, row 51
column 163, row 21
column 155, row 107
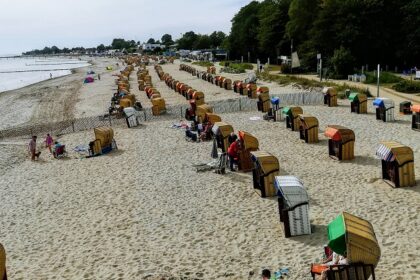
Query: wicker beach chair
column 3, row 274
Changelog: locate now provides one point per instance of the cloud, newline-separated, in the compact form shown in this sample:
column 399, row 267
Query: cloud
column 29, row 24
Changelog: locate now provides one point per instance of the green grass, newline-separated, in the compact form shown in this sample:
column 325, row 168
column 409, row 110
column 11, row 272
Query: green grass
column 203, row 63
column 407, row 86
column 305, row 83
column 385, row 78
column 274, row 68
column 241, row 67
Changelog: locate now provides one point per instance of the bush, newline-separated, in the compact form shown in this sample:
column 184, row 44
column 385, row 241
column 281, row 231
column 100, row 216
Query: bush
column 407, row 86
column 342, row 63
column 203, row 63
column 385, row 78
column 237, row 65
column 285, row 68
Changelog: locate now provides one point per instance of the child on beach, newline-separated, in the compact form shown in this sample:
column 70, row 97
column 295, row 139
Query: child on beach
column 49, row 142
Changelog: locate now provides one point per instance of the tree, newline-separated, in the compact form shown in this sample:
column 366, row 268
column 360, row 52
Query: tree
column 46, row 50
column 216, row 39
column 202, row 42
column 55, row 50
column 118, row 44
column 273, row 17
column 244, row 31
column 411, row 28
column 101, row 48
column 151, row 41
column 342, row 63
column 167, row 40
column 187, row 41
column 302, row 14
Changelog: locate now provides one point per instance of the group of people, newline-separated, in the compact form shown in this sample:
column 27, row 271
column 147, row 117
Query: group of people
column 54, row 147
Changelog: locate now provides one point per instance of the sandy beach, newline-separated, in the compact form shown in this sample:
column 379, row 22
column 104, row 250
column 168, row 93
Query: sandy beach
column 143, row 212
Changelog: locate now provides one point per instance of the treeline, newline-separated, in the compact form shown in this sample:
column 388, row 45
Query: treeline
column 117, row 44
column 189, row 41
column 347, row 34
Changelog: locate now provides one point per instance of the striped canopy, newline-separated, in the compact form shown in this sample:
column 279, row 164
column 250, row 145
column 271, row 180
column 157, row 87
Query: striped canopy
column 391, row 150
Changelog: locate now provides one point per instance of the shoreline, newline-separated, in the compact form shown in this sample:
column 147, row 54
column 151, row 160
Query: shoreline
column 50, row 100
column 72, row 70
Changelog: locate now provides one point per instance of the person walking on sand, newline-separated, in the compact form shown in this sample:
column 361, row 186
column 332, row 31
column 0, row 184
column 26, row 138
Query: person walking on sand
column 49, row 142
column 99, row 76
column 50, row 75
column 32, row 148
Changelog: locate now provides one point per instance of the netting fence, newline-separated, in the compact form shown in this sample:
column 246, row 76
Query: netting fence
column 172, row 112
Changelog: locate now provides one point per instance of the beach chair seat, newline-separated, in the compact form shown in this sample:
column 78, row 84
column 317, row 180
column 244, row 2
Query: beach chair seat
column 358, row 271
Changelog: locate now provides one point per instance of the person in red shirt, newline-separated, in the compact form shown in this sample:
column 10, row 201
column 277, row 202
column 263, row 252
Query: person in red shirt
column 233, row 153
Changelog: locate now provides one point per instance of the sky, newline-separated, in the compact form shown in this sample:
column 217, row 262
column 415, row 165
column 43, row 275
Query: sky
column 33, row 24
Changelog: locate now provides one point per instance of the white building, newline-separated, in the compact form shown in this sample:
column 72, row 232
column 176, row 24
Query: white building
column 152, row 47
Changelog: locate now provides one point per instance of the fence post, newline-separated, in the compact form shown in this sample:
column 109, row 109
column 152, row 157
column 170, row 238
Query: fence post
column 240, row 104
column 145, row 119
column 303, row 98
column 181, row 110
column 72, row 125
column 110, row 122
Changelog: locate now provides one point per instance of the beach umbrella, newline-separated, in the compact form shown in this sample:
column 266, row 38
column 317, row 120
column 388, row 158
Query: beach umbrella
column 355, row 237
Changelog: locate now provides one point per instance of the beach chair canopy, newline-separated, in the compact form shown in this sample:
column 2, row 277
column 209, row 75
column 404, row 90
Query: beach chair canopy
column 292, row 111
column 265, row 161
column 355, row 96
column 160, row 102
column 222, row 128
column 263, row 90
column 129, row 111
column 391, row 150
column 249, row 141
column 198, row 95
column 275, row 100
column 213, row 118
column 203, row 109
column 354, row 236
column 292, row 190
column 251, row 87
column 339, row 133
column 264, row 96
column 104, row 134
column 415, row 108
column 308, row 121
column 382, row 102
column 329, row 91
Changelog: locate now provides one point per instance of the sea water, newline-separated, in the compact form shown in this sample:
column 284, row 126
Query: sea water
column 23, row 71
